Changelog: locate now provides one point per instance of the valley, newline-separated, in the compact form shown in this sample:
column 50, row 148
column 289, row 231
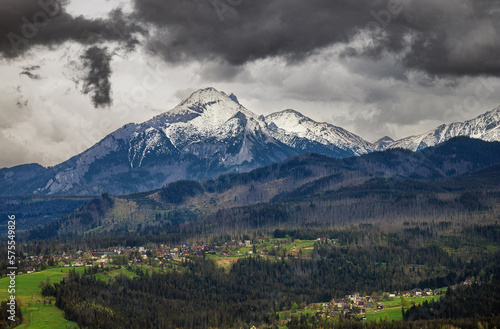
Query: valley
column 281, row 245
column 249, row 164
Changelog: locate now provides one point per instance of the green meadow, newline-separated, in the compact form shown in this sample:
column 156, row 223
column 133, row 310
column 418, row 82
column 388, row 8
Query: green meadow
column 392, row 308
column 36, row 314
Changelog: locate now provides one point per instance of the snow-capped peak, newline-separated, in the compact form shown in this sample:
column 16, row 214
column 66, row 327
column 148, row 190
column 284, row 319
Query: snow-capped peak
column 383, row 142
column 290, row 121
column 204, row 96
column 210, row 133
column 485, row 127
column 216, row 107
column 292, row 126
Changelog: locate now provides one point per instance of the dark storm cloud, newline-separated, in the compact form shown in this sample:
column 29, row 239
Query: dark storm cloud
column 201, row 29
column 28, row 23
column 96, row 64
column 450, row 37
column 443, row 37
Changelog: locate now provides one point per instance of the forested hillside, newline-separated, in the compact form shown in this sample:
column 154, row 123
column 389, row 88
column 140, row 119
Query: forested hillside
column 444, row 183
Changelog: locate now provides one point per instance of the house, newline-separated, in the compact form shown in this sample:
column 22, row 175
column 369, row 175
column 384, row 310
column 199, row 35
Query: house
column 417, row 292
column 353, row 297
column 360, row 303
column 102, row 262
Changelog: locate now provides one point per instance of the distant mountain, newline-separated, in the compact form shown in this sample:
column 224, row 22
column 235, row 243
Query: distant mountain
column 310, row 187
column 485, row 127
column 208, row 134
column 306, row 135
column 311, row 174
column 383, row 143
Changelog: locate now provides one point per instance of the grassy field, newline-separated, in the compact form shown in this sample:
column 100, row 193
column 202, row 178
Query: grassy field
column 106, row 276
column 36, row 314
column 388, row 314
column 392, row 310
column 292, row 249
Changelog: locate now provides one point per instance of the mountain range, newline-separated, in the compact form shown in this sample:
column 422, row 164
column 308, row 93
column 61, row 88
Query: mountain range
column 208, row 134
column 437, row 182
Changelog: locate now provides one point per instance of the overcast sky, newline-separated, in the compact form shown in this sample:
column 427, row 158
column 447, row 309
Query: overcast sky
column 74, row 71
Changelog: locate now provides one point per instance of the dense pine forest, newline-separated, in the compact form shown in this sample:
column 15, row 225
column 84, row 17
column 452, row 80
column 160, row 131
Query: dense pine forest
column 479, row 300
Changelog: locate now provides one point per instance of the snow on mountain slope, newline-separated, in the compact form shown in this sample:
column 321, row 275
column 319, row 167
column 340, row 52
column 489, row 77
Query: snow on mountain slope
column 293, row 128
column 382, row 143
column 207, row 134
column 485, row 127
column 206, row 115
column 211, row 123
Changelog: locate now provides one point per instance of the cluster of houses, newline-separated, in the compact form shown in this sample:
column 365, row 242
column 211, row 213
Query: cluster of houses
column 134, row 255
column 355, row 305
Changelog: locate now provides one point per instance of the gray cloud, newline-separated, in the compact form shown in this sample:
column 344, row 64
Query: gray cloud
column 217, row 72
column 28, row 23
column 96, row 65
column 446, row 37
column 259, row 28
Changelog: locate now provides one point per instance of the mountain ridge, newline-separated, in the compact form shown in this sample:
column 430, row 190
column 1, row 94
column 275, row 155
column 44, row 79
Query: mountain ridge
column 308, row 181
column 205, row 135
column 485, row 126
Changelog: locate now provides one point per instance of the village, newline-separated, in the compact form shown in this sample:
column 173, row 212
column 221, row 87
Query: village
column 162, row 257
column 356, row 306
